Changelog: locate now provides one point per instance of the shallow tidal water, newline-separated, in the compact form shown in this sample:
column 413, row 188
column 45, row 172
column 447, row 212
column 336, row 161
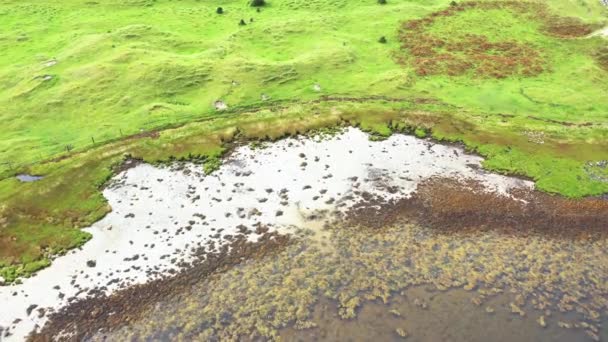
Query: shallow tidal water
column 402, row 282
column 450, row 316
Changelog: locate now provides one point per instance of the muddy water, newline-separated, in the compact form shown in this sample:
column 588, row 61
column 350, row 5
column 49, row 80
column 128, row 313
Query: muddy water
column 449, row 316
column 405, row 280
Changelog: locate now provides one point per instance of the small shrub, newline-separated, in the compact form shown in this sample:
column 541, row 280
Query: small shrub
column 242, row 22
column 212, row 164
column 219, row 10
column 258, row 3
column 382, row 2
column 420, row 133
column 382, row 40
column 453, row 3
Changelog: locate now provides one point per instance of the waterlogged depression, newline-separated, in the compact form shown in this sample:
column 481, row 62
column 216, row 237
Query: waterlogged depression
column 163, row 216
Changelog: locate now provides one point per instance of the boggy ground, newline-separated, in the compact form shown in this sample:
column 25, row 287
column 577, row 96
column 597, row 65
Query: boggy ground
column 531, row 258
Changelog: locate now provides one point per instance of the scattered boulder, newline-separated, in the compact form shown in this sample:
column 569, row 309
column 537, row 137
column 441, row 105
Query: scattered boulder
column 50, row 63
column 31, row 308
column 219, row 104
column 541, row 321
column 401, row 332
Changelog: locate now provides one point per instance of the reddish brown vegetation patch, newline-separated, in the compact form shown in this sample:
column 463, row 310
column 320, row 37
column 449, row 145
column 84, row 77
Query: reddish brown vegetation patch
column 473, row 53
column 450, row 206
column 568, row 28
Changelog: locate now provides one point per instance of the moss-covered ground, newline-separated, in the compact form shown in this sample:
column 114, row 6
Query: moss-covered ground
column 85, row 83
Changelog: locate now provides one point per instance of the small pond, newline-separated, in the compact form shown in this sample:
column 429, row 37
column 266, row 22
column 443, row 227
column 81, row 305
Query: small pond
column 28, row 178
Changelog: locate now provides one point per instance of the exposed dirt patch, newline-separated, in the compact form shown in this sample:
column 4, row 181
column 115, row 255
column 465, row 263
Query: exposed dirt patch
column 127, row 164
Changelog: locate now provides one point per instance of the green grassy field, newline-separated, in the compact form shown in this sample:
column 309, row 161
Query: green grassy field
column 83, row 82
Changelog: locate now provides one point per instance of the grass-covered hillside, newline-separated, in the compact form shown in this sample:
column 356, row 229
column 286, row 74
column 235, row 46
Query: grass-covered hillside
column 84, row 83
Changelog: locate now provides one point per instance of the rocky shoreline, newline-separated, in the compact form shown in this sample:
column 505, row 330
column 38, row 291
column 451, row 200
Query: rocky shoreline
column 175, row 228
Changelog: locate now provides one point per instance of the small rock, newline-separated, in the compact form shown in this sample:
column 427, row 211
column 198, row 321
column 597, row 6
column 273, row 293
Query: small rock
column 31, row 308
column 220, row 105
column 50, row 63
column 420, row 304
column 95, row 313
column 395, row 313
column 401, row 332
column 91, row 263
column 516, row 309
